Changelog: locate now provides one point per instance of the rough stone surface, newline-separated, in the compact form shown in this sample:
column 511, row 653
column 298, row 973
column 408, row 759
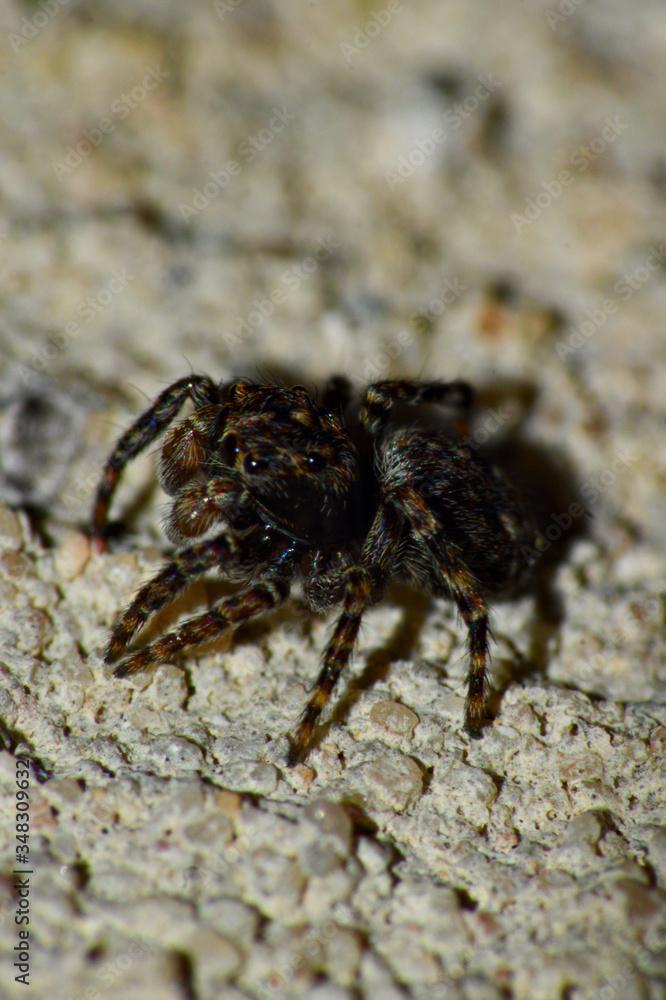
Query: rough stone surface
column 484, row 186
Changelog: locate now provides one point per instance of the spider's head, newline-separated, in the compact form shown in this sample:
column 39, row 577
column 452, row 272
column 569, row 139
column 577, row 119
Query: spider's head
column 295, row 460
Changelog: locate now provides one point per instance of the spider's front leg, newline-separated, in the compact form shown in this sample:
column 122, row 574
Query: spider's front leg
column 234, row 557
column 198, row 388
column 380, row 397
column 186, row 565
column 228, row 613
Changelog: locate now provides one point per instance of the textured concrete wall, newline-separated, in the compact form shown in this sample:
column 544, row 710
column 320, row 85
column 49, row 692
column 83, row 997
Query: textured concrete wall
column 287, row 190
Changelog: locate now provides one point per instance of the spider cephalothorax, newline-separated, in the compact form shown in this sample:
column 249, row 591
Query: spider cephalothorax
column 271, row 487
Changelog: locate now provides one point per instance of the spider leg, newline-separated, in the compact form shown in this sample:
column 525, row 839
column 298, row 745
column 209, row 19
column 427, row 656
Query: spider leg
column 380, row 397
column 362, row 586
column 199, row 388
column 336, row 656
column 230, row 611
column 236, row 558
column 463, row 586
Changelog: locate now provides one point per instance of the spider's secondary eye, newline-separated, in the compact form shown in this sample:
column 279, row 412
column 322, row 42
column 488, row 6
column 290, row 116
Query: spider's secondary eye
column 252, row 464
column 315, row 462
column 229, row 449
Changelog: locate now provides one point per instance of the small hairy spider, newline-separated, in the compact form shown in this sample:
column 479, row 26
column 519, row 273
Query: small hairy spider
column 271, row 487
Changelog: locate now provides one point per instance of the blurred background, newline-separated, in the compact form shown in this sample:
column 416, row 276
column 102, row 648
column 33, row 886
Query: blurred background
column 293, row 190
column 452, row 190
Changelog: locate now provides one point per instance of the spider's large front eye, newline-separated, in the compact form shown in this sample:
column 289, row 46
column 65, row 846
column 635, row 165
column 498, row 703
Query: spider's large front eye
column 229, row 449
column 253, row 464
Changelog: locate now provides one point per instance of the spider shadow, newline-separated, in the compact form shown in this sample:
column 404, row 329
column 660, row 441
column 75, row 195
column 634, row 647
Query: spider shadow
column 546, row 478
column 118, row 534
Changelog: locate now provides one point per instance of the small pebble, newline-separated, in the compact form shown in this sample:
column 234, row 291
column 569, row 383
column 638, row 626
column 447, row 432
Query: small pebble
column 318, row 859
column 15, row 565
column 71, row 555
column 585, row 828
column 33, row 628
column 171, row 755
column 331, row 818
column 342, row 953
column 391, row 781
column 160, row 915
column 231, row 917
column 300, row 777
column 395, row 718
column 253, row 776
column 8, row 708
column 10, row 529
column 225, row 801
column 210, row 831
column 169, row 689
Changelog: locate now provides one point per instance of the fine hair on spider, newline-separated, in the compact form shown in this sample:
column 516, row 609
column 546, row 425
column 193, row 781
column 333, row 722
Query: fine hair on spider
column 271, row 487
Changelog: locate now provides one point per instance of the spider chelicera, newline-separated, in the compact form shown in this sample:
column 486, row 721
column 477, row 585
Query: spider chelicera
column 271, row 487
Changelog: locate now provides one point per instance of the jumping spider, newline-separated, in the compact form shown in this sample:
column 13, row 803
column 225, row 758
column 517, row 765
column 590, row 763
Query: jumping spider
column 271, row 486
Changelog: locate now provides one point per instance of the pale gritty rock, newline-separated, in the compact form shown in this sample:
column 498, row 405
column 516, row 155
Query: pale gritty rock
column 168, row 689
column 332, row 821
column 395, row 211
column 71, row 555
column 173, row 755
column 215, row 960
column 395, row 718
column 10, row 529
column 391, row 781
column 251, row 776
column 342, row 955
column 231, row 918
